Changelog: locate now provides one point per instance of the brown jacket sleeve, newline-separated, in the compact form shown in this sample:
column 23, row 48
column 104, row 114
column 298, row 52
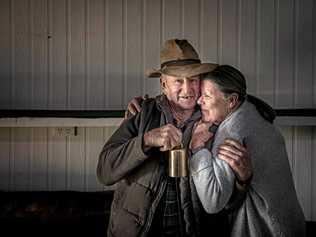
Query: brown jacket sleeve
column 122, row 152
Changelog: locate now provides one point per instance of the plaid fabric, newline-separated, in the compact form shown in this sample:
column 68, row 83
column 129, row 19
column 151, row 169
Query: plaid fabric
column 172, row 222
column 169, row 215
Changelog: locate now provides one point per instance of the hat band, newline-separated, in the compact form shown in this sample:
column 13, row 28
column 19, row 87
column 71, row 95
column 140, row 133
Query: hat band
column 180, row 62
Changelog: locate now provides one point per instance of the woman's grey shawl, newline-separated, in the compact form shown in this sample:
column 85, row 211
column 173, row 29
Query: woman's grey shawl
column 271, row 207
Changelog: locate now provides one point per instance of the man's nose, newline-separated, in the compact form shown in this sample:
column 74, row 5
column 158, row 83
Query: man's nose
column 199, row 101
column 186, row 86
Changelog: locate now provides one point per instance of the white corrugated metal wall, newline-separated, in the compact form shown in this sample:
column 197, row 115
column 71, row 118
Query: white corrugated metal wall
column 91, row 54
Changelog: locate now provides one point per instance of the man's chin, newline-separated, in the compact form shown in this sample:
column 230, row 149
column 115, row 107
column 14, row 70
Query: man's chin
column 188, row 106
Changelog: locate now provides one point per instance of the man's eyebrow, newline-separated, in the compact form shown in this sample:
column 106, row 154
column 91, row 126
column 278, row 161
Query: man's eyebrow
column 193, row 78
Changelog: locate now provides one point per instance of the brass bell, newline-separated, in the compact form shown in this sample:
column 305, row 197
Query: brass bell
column 178, row 162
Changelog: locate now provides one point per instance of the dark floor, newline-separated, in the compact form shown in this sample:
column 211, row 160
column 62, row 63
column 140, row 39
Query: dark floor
column 62, row 214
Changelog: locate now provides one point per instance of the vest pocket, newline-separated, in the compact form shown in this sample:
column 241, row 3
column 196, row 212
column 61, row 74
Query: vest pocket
column 138, row 202
column 130, row 209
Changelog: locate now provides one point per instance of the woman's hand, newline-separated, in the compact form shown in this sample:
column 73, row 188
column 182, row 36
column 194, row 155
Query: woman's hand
column 200, row 134
column 238, row 158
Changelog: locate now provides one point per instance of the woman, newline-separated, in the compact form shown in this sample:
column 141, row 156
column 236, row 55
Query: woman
column 270, row 207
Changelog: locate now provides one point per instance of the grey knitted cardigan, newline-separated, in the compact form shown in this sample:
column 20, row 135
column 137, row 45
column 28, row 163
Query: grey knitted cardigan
column 271, row 207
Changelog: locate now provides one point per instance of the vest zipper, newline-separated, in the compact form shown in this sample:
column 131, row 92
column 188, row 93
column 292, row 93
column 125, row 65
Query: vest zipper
column 154, row 206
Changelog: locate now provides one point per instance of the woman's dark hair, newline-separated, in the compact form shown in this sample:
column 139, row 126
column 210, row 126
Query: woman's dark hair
column 229, row 80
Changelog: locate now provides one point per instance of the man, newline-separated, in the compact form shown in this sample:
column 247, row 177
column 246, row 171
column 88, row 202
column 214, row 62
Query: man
column 147, row 202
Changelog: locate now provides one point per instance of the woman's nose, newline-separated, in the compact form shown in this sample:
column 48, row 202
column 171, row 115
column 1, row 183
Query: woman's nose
column 199, row 101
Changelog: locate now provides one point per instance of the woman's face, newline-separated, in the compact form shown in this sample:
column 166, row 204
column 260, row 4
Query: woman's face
column 214, row 106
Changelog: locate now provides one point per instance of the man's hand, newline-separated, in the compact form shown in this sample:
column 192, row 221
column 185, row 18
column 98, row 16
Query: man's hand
column 237, row 157
column 165, row 137
column 134, row 106
column 200, row 134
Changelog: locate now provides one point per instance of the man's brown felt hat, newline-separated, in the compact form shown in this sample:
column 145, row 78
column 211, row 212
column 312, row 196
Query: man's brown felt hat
column 179, row 58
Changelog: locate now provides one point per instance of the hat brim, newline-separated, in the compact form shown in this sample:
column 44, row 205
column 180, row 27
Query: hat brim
column 183, row 71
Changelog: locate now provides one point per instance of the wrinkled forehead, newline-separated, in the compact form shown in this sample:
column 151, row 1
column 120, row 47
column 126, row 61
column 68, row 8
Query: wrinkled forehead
column 209, row 87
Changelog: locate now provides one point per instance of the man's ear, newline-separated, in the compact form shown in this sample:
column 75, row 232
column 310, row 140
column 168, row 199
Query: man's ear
column 233, row 100
column 162, row 84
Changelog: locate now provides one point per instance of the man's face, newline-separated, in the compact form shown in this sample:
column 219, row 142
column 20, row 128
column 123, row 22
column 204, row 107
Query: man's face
column 214, row 106
column 183, row 92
